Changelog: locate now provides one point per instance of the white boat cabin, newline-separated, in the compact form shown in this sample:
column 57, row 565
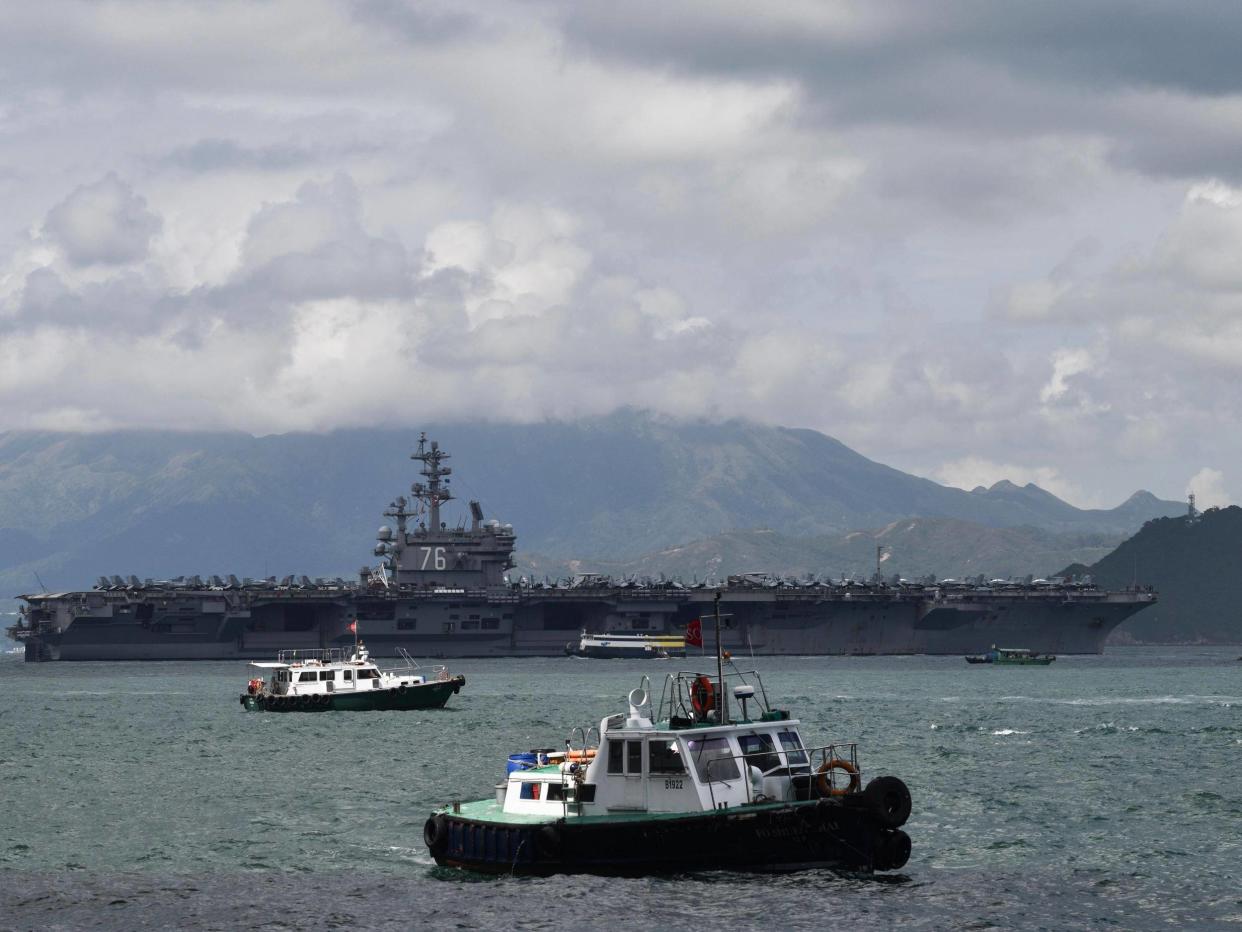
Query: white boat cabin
column 331, row 670
column 693, row 759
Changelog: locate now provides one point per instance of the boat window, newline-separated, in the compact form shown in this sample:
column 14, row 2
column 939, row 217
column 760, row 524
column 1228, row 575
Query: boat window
column 792, row 746
column 366, row 674
column 616, row 757
column 760, row 751
column 327, row 675
column 713, row 759
column 633, row 757
column 664, row 757
column 530, row 791
column 556, row 791
column 349, row 674
column 306, row 677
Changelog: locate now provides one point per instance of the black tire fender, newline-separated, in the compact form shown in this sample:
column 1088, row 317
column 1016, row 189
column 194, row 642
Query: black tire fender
column 548, row 843
column 892, row 851
column 435, row 834
column 889, row 799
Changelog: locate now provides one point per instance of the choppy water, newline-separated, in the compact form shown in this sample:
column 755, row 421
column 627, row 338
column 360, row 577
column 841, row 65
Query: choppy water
column 1098, row 792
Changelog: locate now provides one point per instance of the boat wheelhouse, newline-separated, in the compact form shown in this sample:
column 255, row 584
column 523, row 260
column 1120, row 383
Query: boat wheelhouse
column 621, row 646
column 329, row 679
column 686, row 786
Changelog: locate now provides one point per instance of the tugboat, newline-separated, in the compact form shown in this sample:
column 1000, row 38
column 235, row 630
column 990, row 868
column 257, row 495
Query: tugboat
column 621, row 646
column 1015, row 656
column 326, row 680
column 688, row 786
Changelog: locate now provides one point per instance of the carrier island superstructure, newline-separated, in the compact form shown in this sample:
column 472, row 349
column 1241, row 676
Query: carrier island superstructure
column 442, row 591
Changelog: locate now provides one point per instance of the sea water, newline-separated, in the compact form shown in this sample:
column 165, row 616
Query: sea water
column 1098, row 792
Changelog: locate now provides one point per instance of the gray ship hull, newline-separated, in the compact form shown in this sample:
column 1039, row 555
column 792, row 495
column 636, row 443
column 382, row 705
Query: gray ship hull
column 524, row 622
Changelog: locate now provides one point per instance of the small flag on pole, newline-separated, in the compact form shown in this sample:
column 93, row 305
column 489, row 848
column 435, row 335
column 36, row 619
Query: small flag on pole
column 352, row 627
column 694, row 633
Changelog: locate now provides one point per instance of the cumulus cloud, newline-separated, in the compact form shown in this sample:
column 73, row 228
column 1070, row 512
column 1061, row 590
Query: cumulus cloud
column 1208, row 488
column 104, row 222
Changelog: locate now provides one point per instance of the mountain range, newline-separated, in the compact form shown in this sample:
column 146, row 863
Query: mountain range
column 630, row 489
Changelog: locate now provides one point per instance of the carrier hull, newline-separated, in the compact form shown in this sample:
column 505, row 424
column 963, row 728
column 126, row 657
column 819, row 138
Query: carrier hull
column 522, row 622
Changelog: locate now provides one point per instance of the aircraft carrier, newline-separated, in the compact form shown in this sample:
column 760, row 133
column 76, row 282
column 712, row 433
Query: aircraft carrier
column 441, row 591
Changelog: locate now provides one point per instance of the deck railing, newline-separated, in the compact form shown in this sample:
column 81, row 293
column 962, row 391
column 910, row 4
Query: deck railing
column 820, row 765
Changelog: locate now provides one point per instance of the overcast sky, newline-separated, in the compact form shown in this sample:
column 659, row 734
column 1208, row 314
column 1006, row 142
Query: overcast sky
column 972, row 240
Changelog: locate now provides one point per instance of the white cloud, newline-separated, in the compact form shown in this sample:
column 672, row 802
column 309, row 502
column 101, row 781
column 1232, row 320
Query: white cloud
column 104, row 223
column 1066, row 363
column 1208, row 487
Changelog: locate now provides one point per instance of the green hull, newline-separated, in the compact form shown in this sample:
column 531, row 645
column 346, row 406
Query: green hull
column 1023, row 662
column 406, row 699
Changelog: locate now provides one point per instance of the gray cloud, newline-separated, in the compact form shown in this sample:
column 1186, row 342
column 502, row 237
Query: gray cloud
column 104, row 222
column 208, row 155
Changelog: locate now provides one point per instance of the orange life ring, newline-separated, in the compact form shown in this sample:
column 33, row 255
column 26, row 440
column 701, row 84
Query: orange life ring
column 703, row 695
column 825, row 784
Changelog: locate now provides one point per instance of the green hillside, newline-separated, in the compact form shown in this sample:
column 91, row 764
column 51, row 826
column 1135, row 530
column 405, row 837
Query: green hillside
column 1194, row 565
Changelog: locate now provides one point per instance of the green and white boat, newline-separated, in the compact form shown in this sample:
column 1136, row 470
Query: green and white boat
column 1014, row 656
column 684, row 785
column 329, row 679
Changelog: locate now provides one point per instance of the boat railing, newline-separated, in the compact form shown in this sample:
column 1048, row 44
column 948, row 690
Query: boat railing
column 320, row 654
column 676, row 696
column 831, row 767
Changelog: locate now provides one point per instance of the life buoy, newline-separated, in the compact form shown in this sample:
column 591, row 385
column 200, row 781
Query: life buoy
column 823, row 780
column 703, row 695
column 323, row 700
column 587, row 754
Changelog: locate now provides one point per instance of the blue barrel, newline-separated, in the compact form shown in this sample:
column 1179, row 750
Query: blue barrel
column 520, row 762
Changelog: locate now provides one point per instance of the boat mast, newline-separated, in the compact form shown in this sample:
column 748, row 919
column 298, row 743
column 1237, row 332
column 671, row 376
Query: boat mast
column 720, row 688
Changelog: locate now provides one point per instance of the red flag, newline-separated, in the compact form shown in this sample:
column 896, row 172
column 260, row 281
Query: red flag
column 352, row 627
column 694, row 633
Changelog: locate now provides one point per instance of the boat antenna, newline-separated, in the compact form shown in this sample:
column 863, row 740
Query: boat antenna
column 39, row 581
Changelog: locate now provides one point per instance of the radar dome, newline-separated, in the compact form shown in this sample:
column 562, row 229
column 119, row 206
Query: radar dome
column 384, row 533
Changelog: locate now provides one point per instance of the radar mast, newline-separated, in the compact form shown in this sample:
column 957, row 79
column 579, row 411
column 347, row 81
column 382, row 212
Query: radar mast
column 433, row 493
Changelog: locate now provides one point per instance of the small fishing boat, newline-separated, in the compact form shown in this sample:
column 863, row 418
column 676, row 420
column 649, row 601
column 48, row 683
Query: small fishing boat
column 620, row 646
column 1015, row 656
column 329, row 679
column 691, row 783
